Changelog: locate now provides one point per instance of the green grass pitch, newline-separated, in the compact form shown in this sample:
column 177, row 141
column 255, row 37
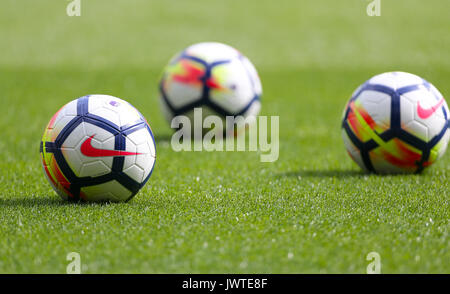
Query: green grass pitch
column 312, row 211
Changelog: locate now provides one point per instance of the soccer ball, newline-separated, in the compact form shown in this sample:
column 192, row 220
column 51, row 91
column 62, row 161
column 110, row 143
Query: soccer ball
column 396, row 122
column 214, row 77
column 98, row 148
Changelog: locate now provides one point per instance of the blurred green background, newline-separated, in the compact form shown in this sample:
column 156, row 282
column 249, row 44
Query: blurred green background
column 311, row 211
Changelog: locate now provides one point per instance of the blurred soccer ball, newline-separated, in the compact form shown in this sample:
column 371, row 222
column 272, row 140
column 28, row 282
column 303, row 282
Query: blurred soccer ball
column 396, row 122
column 214, row 77
column 98, row 148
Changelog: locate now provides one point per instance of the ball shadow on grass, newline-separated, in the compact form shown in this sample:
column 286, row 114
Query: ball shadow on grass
column 33, row 201
column 47, row 201
column 339, row 174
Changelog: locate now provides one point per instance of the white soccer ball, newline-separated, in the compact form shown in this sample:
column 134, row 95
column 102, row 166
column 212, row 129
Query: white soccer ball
column 214, row 77
column 98, row 148
column 396, row 122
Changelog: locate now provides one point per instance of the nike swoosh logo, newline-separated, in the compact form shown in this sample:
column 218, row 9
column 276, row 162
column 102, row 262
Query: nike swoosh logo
column 88, row 150
column 426, row 113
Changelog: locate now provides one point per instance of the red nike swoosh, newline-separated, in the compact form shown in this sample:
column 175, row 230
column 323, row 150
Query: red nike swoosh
column 88, row 150
column 426, row 113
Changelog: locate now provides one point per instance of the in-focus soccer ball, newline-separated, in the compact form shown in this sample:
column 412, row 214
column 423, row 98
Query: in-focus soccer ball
column 396, row 122
column 214, row 77
column 98, row 148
